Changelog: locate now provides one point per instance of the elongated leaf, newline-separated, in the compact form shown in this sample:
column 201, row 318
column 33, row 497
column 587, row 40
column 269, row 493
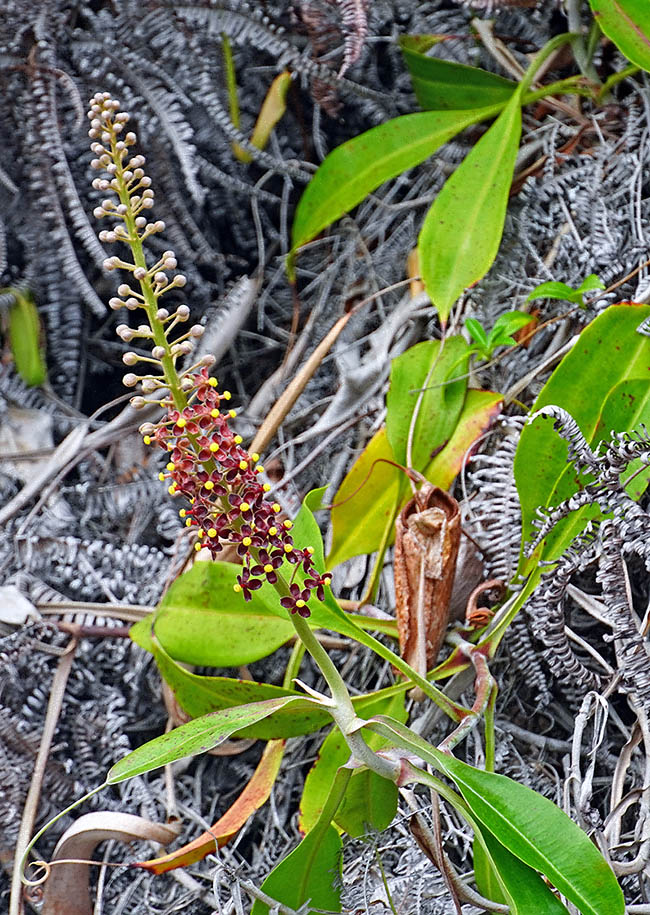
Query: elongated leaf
column 196, row 736
column 608, row 353
column 426, row 381
column 527, row 824
column 462, row 231
column 311, row 872
column 255, row 794
column 198, row 695
column 272, row 110
column 527, row 892
column 627, row 23
column 359, row 522
column 356, row 168
column 25, row 339
column 441, row 84
column 201, row 620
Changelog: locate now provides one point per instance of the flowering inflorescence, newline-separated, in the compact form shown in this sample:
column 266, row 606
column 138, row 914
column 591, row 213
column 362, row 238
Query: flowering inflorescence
column 207, row 465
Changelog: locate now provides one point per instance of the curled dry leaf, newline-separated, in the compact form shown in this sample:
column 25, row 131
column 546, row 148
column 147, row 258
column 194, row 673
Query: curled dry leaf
column 66, row 889
column 427, row 538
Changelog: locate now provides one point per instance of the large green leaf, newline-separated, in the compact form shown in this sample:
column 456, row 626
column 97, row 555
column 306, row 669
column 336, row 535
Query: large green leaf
column 528, row 825
column 425, row 398
column 201, row 620
column 198, row 695
column 462, row 231
column 197, row 736
column 311, row 872
column 503, row 872
column 441, row 84
column 356, row 168
column 608, row 353
column 627, row 23
column 369, row 496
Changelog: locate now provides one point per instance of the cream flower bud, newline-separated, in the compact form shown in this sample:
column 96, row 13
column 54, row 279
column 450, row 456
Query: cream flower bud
column 162, row 314
column 149, row 385
column 182, row 312
column 160, row 278
column 138, row 402
column 130, row 380
column 158, row 352
column 140, row 273
column 179, row 280
column 130, row 358
column 125, row 333
column 123, row 289
column 197, row 330
column 132, row 303
column 115, row 304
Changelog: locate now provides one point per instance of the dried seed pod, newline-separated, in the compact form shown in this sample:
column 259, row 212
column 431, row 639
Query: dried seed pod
column 426, row 548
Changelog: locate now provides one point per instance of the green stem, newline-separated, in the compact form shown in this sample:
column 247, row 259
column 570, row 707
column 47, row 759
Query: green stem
column 343, row 712
column 616, row 78
column 231, row 80
column 541, row 56
column 489, row 729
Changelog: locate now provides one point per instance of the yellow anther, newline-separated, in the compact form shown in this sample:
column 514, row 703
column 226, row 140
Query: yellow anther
column 268, row 567
column 198, row 546
column 192, row 500
column 236, row 588
column 243, row 465
column 276, row 507
column 226, row 395
column 182, row 512
column 247, row 541
column 212, row 532
column 209, row 485
column 288, row 548
column 188, row 522
column 200, row 534
column 213, row 382
column 259, row 469
column 162, row 477
column 300, row 603
column 214, row 414
column 171, row 466
column 255, row 456
column 244, row 507
column 326, row 579
column 232, row 413
column 172, row 489
column 147, row 439
column 287, row 525
column 181, row 423
column 266, row 487
column 310, row 550
column 273, row 531
column 213, row 447
column 238, row 440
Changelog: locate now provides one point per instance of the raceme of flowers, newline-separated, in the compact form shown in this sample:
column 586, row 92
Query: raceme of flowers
column 207, row 465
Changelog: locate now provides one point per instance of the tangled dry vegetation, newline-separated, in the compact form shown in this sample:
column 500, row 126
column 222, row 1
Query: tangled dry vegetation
column 91, row 538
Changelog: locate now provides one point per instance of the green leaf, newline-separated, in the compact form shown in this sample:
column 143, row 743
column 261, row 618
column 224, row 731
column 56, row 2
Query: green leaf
column 432, row 366
column 356, row 168
column 527, row 824
column 25, row 339
column 554, row 290
column 201, row 620
column 628, row 403
column 311, row 872
column 590, row 283
column 443, row 84
column 462, row 231
column 359, row 522
column 366, row 501
column 527, row 892
column 476, row 331
column 627, row 24
column 199, row 695
column 509, row 323
column 197, row 736
column 608, row 352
